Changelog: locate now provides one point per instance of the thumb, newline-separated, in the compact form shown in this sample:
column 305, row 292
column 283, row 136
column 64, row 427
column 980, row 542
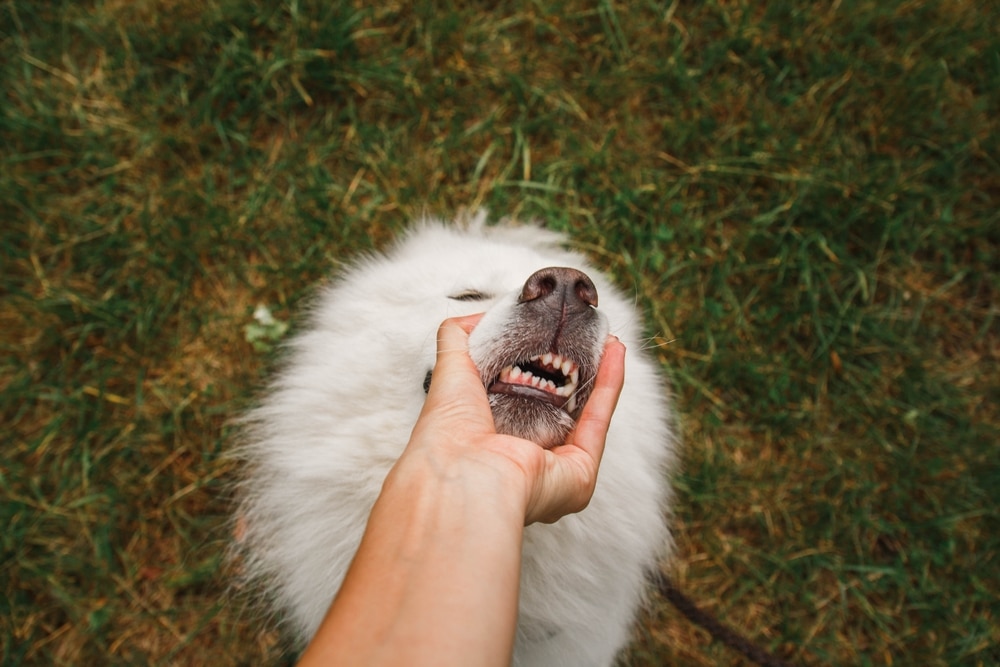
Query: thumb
column 454, row 373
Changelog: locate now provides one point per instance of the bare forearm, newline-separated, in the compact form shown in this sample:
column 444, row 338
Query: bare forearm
column 436, row 576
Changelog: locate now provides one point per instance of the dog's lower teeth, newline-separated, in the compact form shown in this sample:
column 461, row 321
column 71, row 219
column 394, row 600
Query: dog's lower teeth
column 548, row 362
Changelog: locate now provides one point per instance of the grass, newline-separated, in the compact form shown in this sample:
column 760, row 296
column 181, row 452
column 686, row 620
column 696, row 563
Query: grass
column 803, row 197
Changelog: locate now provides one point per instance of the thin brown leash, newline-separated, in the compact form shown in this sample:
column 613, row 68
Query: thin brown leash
column 719, row 630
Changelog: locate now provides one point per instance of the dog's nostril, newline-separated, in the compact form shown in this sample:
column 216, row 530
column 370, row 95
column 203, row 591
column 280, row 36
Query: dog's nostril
column 568, row 285
column 586, row 291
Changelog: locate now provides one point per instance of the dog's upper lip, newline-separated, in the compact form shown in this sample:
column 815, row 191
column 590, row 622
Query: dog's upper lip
column 550, row 377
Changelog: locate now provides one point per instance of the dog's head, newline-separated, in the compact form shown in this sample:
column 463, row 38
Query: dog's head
column 540, row 341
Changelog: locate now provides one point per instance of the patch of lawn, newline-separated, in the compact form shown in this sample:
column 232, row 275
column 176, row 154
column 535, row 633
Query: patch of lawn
column 802, row 197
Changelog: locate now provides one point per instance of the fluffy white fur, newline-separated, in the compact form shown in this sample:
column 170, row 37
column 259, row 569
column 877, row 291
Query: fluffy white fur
column 332, row 424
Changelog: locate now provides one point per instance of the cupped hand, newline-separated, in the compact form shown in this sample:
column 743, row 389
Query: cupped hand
column 455, row 436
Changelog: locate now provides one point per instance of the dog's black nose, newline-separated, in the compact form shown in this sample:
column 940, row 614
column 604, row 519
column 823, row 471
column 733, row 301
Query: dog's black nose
column 560, row 286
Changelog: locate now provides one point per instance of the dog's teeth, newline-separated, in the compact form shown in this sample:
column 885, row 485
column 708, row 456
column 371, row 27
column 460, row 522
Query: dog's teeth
column 564, row 386
column 571, row 404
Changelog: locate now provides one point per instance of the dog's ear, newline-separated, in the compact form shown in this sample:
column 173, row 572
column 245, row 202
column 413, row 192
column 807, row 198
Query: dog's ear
column 427, row 381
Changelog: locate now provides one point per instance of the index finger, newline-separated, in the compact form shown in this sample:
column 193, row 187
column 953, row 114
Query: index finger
column 591, row 428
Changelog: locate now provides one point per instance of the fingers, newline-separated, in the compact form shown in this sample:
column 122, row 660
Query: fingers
column 592, row 427
column 578, row 460
column 560, row 480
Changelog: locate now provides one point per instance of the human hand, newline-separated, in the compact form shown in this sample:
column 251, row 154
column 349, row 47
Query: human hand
column 453, row 506
column 456, row 437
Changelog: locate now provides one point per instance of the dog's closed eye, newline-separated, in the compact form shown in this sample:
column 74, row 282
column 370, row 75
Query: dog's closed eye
column 470, row 295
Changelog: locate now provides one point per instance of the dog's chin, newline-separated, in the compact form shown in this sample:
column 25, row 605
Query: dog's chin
column 530, row 418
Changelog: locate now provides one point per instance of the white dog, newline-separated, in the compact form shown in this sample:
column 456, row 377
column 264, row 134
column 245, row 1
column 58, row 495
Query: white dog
column 333, row 423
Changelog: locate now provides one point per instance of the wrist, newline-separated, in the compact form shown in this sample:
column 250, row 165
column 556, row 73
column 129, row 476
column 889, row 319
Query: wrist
column 492, row 486
column 440, row 522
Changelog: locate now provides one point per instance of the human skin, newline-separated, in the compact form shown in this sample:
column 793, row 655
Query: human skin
column 435, row 578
